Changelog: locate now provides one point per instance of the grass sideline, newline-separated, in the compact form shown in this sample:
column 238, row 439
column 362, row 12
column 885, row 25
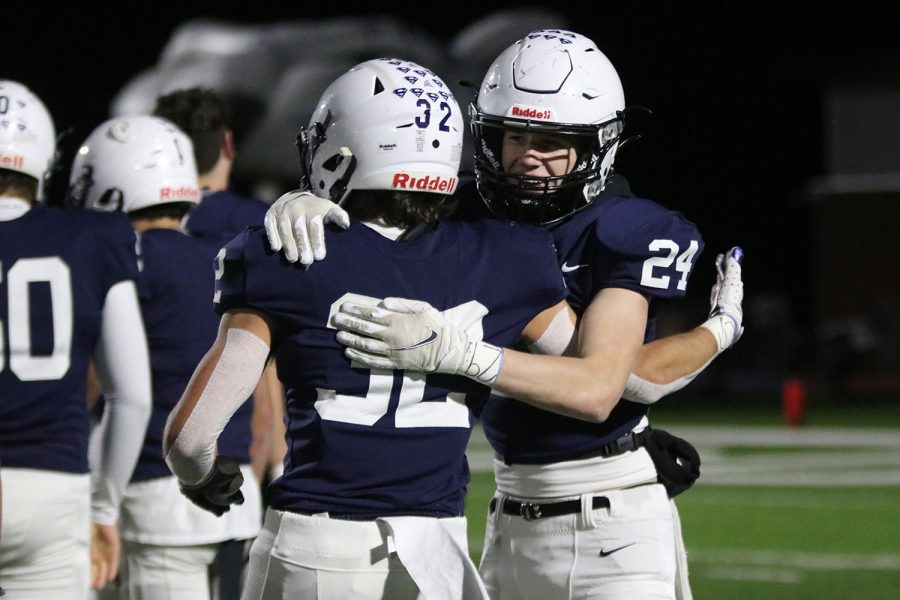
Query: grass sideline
column 877, row 411
column 793, row 543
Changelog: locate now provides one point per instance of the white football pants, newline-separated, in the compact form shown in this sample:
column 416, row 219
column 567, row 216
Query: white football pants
column 628, row 550
column 149, row 572
column 46, row 535
column 318, row 558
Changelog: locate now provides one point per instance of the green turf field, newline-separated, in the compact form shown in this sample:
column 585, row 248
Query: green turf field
column 793, row 542
column 806, row 513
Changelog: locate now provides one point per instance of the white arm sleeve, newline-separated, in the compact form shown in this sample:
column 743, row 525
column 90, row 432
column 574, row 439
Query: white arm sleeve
column 560, row 339
column 124, row 367
column 234, row 378
column 646, row 392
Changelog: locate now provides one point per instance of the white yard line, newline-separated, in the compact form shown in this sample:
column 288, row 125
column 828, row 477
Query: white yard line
column 835, row 456
column 788, row 437
column 753, row 574
column 809, row 561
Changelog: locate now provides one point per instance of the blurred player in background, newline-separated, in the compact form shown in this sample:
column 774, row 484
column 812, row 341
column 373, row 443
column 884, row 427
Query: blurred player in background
column 547, row 124
column 205, row 117
column 67, row 295
column 144, row 167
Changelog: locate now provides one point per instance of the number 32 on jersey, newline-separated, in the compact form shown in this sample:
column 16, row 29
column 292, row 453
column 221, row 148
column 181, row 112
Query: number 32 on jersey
column 412, row 410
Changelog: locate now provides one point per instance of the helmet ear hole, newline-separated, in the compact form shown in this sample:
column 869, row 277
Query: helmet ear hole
column 110, row 200
column 379, row 87
column 333, row 162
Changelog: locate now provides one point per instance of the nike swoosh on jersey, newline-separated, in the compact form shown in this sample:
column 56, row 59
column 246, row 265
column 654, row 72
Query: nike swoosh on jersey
column 604, row 553
column 567, row 269
column 427, row 340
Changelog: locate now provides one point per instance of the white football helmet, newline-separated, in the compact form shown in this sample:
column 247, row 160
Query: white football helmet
column 130, row 163
column 27, row 135
column 386, row 124
column 550, row 81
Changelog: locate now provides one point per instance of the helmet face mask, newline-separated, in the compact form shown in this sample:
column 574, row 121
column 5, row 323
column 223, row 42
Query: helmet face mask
column 542, row 199
column 131, row 163
column 387, row 124
column 556, row 83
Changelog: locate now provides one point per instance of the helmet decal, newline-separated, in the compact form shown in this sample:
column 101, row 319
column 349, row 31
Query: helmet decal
column 360, row 137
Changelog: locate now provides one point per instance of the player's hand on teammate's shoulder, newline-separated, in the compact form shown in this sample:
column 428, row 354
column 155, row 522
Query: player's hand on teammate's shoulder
column 726, row 314
column 295, row 225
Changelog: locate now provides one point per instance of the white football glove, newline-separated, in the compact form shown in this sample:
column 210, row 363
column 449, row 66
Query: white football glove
column 413, row 335
column 296, row 222
column 726, row 313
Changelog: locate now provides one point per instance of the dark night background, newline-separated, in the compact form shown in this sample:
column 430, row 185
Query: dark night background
column 735, row 139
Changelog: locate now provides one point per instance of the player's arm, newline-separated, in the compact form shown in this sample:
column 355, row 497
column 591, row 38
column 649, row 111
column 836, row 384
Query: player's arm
column 266, row 424
column 668, row 364
column 93, row 389
column 224, row 379
column 412, row 335
column 391, row 336
column 589, row 384
column 123, row 365
column 278, row 447
column 670, row 358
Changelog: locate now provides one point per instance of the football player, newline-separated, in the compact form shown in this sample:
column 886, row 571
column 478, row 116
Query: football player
column 67, row 295
column 144, row 167
column 547, row 124
column 206, row 118
column 370, row 504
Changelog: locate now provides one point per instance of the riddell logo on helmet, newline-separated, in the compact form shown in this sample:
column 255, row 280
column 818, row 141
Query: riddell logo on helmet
column 529, row 112
column 11, row 161
column 432, row 183
column 184, row 192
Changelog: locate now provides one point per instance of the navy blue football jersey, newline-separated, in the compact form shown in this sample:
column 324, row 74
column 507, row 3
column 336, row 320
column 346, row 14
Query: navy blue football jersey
column 56, row 267
column 222, row 215
column 617, row 241
column 370, row 443
column 175, row 289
